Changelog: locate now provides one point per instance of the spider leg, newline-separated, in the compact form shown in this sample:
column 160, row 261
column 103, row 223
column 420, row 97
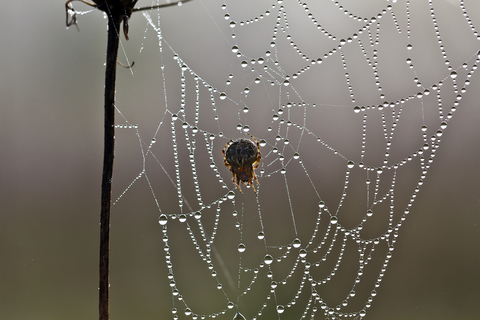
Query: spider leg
column 225, row 158
column 254, row 188
column 254, row 177
column 251, row 182
column 256, row 164
column 236, row 182
column 258, row 145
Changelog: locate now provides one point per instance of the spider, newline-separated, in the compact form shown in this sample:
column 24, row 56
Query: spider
column 242, row 157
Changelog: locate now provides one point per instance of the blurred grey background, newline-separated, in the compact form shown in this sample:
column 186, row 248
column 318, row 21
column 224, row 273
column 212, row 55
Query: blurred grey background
column 51, row 139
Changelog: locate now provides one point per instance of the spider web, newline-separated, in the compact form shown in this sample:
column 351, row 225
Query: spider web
column 349, row 102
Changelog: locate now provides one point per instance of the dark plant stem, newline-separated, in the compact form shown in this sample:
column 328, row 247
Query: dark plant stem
column 118, row 11
column 109, row 146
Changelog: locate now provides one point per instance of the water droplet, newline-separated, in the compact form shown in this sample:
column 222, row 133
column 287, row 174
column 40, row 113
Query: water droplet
column 453, row 74
column 350, row 164
column 198, row 215
column 286, row 83
column 280, row 309
column 245, row 109
column 263, row 143
column 232, row 24
column 283, row 171
column 188, row 311
column 231, row 195
column 244, row 63
column 174, row 117
column 184, row 125
column 369, row 212
column 321, row 204
column 230, row 305
column 334, row 220
column 260, row 235
column 268, row 259
column 241, row 248
column 223, row 96
column 297, row 243
column 163, row 220
column 296, row 156
column 154, row 140
column 182, row 218
column 302, row 253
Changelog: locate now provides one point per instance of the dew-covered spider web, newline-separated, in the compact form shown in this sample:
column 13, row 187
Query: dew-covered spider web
column 349, row 100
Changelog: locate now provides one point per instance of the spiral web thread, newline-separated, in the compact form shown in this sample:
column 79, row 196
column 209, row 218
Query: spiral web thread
column 339, row 173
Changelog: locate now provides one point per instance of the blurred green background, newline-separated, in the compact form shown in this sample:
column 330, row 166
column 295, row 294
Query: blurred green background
column 51, row 140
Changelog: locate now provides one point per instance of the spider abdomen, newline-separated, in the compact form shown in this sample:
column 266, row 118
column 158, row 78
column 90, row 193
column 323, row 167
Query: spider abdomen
column 242, row 156
column 241, row 153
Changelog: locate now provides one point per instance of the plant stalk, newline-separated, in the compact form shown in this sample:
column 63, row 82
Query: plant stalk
column 109, row 147
column 118, row 11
